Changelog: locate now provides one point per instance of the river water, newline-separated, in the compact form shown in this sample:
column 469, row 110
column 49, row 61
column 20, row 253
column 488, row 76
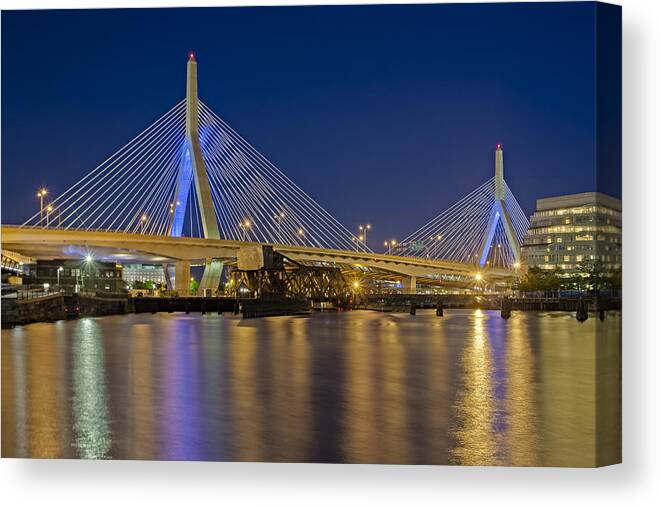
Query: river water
column 353, row 387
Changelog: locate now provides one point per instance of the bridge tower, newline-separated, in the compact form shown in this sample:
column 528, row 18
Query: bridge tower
column 500, row 214
column 193, row 169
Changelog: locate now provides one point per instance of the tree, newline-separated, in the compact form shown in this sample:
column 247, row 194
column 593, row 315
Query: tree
column 194, row 285
column 538, row 279
column 146, row 285
column 595, row 274
column 615, row 279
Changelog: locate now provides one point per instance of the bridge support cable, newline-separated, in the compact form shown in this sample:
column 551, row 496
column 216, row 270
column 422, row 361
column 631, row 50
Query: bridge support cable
column 485, row 228
column 248, row 189
column 190, row 173
column 129, row 191
column 141, row 189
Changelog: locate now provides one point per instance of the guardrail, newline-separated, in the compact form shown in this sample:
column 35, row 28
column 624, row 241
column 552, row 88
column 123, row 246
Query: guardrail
column 29, row 292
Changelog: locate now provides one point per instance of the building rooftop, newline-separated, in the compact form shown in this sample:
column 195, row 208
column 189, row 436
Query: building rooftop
column 582, row 199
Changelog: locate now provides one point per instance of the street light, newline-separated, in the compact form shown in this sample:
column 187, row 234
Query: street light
column 143, row 221
column 48, row 210
column 363, row 229
column 245, row 227
column 278, row 218
column 88, row 262
column 59, row 270
column 433, row 239
column 41, row 194
column 390, row 244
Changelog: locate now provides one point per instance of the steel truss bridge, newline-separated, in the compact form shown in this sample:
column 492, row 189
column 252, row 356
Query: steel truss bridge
column 190, row 190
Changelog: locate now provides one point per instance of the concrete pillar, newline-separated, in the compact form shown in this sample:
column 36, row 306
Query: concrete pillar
column 409, row 284
column 200, row 177
column 182, row 277
column 168, row 277
column 500, row 177
column 213, row 269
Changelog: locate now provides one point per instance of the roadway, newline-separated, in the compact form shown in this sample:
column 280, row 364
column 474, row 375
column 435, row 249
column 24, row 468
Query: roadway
column 52, row 243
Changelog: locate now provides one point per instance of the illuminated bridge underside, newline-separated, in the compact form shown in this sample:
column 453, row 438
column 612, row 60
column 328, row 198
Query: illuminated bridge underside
column 128, row 247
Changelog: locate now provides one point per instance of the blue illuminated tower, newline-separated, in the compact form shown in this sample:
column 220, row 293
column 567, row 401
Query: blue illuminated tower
column 193, row 167
column 500, row 214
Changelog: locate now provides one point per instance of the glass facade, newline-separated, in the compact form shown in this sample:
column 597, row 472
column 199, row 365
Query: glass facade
column 567, row 230
column 143, row 273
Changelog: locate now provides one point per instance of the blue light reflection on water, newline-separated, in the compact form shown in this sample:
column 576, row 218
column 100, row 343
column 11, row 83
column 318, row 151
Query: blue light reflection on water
column 468, row 388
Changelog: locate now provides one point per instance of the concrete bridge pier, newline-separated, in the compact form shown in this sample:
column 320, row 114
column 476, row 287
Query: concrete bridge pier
column 169, row 276
column 213, row 270
column 182, row 277
column 409, row 284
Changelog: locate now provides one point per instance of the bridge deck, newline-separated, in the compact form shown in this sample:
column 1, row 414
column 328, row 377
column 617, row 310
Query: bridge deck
column 50, row 243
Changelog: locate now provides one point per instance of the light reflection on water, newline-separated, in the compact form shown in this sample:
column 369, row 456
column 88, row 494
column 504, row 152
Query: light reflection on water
column 360, row 387
column 89, row 401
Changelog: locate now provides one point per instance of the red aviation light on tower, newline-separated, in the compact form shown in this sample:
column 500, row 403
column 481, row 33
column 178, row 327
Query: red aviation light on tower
column 499, row 147
column 191, row 57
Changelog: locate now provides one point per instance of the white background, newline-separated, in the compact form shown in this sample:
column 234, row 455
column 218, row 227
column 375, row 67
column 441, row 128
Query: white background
column 636, row 482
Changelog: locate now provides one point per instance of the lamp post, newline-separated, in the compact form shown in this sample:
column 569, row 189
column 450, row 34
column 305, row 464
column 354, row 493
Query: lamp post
column 434, row 239
column 363, row 232
column 143, row 221
column 278, row 218
column 41, row 194
column 301, row 234
column 245, row 227
column 88, row 263
column 389, row 245
column 49, row 208
column 59, row 270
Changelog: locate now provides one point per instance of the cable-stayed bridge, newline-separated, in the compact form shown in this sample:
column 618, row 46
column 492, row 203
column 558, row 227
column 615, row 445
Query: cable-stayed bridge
column 190, row 189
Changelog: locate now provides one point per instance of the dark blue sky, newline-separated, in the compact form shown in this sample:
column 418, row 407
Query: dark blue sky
column 385, row 114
